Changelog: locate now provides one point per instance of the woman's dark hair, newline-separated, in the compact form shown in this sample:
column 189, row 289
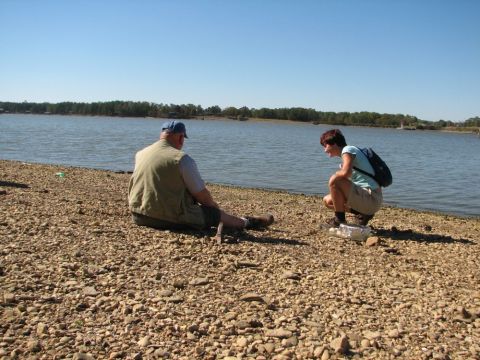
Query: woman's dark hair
column 332, row 137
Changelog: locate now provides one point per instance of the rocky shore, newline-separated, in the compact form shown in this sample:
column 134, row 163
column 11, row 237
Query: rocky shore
column 78, row 280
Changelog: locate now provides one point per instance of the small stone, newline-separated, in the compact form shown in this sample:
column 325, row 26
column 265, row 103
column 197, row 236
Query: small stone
column 317, row 353
column 81, row 307
column 64, row 340
column 278, row 333
column 269, row 347
column 116, row 355
column 372, row 241
column 371, row 335
column 392, row 251
column 245, row 264
column 165, row 293
column 340, row 345
column 34, row 346
column 90, row 291
column 242, row 342
column 193, row 328
column 179, row 284
column 138, row 308
column 291, row 275
column 252, row 297
column 144, row 342
column 8, row 339
column 231, row 316
column 199, row 281
column 291, row 341
column 191, row 336
column 464, row 313
column 41, row 328
column 365, row 343
column 242, row 324
column 9, row 298
column 82, row 356
column 394, row 334
column 161, row 353
column 175, row 299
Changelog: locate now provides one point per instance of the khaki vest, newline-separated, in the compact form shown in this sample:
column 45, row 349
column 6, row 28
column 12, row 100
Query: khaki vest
column 157, row 189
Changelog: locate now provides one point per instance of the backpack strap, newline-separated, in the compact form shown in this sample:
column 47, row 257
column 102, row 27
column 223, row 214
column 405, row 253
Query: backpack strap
column 363, row 171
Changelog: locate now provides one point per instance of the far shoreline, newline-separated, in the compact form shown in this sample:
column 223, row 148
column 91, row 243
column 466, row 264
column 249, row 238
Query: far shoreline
column 275, row 121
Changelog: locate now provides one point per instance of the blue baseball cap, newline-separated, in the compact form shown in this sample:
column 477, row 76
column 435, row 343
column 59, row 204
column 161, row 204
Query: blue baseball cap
column 175, row 127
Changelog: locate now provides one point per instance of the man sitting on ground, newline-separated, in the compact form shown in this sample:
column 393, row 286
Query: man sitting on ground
column 166, row 190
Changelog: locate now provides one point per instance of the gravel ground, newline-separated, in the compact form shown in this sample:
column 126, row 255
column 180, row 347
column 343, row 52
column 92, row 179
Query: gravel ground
column 78, row 280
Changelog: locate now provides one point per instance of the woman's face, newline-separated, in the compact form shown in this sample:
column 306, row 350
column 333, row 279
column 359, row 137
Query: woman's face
column 332, row 150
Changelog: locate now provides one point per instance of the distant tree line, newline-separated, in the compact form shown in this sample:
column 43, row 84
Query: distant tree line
column 186, row 111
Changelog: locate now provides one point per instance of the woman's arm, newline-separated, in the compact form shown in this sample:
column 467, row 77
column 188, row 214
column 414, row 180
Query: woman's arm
column 345, row 171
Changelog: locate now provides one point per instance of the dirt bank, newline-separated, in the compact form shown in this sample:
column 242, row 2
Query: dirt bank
column 79, row 281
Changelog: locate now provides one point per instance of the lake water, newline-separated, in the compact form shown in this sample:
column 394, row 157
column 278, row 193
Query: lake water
column 431, row 170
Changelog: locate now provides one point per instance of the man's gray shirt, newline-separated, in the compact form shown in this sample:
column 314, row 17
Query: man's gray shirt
column 191, row 175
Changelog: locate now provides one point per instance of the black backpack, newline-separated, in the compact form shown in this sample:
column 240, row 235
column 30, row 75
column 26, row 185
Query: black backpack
column 382, row 175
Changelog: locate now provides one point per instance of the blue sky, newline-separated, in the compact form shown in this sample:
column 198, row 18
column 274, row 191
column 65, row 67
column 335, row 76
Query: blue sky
column 413, row 57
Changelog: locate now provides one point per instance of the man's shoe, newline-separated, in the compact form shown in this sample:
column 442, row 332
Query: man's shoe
column 259, row 222
column 362, row 219
column 334, row 222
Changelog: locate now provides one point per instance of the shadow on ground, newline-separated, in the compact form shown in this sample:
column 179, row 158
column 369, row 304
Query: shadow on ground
column 235, row 236
column 269, row 240
column 396, row 234
column 13, row 184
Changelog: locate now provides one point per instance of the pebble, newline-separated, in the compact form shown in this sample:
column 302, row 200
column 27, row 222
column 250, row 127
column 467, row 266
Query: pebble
column 165, row 293
column 34, row 346
column 179, row 284
column 340, row 345
column 175, row 299
column 252, row 297
column 9, row 298
column 90, row 291
column 269, row 348
column 82, row 356
column 199, row 281
column 41, row 328
column 291, row 275
column 371, row 335
column 278, row 333
column 144, row 342
column 291, row 341
column 372, row 241
column 242, row 342
column 394, row 334
column 231, row 316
